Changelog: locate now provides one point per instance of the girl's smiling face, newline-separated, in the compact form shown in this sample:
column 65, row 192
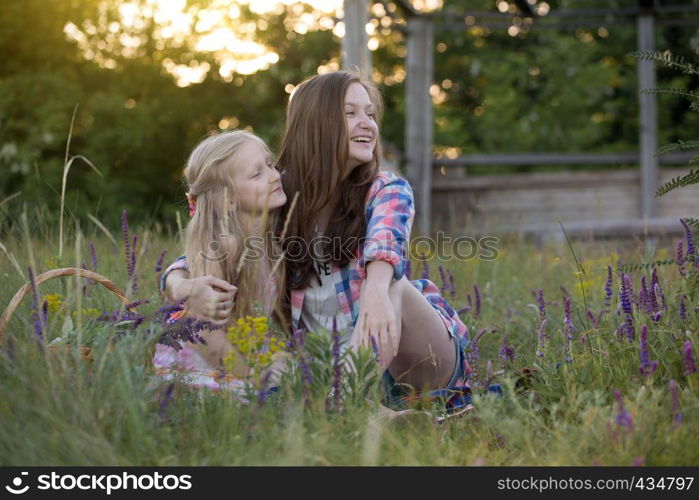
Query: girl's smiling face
column 256, row 182
column 362, row 129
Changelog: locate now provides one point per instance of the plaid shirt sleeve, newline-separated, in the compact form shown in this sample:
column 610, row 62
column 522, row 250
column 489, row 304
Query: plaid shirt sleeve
column 390, row 211
column 180, row 263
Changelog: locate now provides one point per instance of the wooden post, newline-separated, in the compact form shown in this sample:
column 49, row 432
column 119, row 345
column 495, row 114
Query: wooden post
column 355, row 53
column 419, row 126
column 648, row 134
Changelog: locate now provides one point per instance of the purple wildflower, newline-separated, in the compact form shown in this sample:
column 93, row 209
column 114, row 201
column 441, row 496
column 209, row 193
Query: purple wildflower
column 443, row 278
column 45, row 311
column 473, row 354
column 542, row 305
column 480, row 334
column 375, row 348
column 647, row 366
column 337, row 369
column 463, row 310
column 623, row 417
column 658, row 292
column 452, row 286
column 500, row 440
column 638, row 462
column 682, row 309
column 542, row 338
column 133, row 305
column 626, row 305
column 593, row 319
column 132, row 276
column 567, row 329
column 306, row 375
column 680, row 259
column 477, row 297
column 657, row 295
column 690, row 240
column 608, row 288
column 644, row 297
column 567, row 322
column 506, row 351
column 93, row 256
column 425, row 267
column 182, row 330
column 470, row 301
column 262, row 392
column 36, row 315
column 165, row 311
column 127, row 241
column 408, row 269
column 159, row 264
column 689, row 364
column 674, row 403
column 656, row 316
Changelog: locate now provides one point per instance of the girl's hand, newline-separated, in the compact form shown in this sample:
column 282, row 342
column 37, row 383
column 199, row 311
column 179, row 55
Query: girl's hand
column 377, row 319
column 209, row 298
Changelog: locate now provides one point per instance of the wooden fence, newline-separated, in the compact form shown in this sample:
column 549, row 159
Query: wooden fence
column 588, row 203
column 527, row 200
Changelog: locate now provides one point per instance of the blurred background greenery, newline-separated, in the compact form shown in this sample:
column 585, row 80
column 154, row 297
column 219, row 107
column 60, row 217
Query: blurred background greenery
column 150, row 78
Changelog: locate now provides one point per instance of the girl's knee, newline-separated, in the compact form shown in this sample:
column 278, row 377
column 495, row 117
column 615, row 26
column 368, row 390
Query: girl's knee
column 398, row 288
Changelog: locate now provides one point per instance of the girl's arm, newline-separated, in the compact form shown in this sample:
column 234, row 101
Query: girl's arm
column 208, row 297
column 390, row 212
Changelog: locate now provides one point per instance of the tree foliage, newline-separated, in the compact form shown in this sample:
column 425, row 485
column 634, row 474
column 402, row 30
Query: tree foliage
column 542, row 90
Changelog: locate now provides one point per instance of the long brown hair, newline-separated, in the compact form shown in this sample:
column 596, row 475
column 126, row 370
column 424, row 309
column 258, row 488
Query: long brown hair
column 215, row 224
column 313, row 160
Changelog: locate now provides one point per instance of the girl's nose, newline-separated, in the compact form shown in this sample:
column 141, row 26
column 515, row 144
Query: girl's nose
column 366, row 122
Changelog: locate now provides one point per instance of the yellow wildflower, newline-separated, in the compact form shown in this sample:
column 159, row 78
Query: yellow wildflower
column 88, row 313
column 249, row 336
column 55, row 301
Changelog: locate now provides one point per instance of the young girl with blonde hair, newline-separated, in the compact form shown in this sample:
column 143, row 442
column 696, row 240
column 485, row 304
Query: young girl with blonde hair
column 234, row 193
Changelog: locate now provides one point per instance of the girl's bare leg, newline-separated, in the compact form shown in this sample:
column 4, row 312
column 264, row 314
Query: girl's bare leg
column 426, row 354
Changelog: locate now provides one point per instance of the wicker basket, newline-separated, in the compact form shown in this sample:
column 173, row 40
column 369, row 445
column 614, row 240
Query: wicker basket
column 85, row 351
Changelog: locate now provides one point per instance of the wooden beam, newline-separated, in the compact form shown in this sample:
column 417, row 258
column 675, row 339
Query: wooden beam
column 419, row 117
column 540, row 159
column 648, row 134
column 355, row 53
column 604, row 228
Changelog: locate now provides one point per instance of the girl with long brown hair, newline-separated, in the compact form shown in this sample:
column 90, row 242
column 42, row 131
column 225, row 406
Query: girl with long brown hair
column 348, row 236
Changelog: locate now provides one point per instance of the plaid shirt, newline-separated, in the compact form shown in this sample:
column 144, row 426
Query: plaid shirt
column 389, row 212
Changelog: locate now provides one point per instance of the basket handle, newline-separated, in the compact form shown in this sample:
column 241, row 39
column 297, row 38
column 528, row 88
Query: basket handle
column 56, row 273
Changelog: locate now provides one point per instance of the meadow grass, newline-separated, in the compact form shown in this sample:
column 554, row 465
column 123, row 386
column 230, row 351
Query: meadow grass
column 558, row 406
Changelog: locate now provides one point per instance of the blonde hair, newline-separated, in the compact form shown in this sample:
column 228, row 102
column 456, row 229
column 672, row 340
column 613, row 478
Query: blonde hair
column 214, row 236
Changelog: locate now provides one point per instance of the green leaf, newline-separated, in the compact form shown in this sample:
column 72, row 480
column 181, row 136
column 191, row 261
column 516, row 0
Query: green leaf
column 67, row 329
column 682, row 181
